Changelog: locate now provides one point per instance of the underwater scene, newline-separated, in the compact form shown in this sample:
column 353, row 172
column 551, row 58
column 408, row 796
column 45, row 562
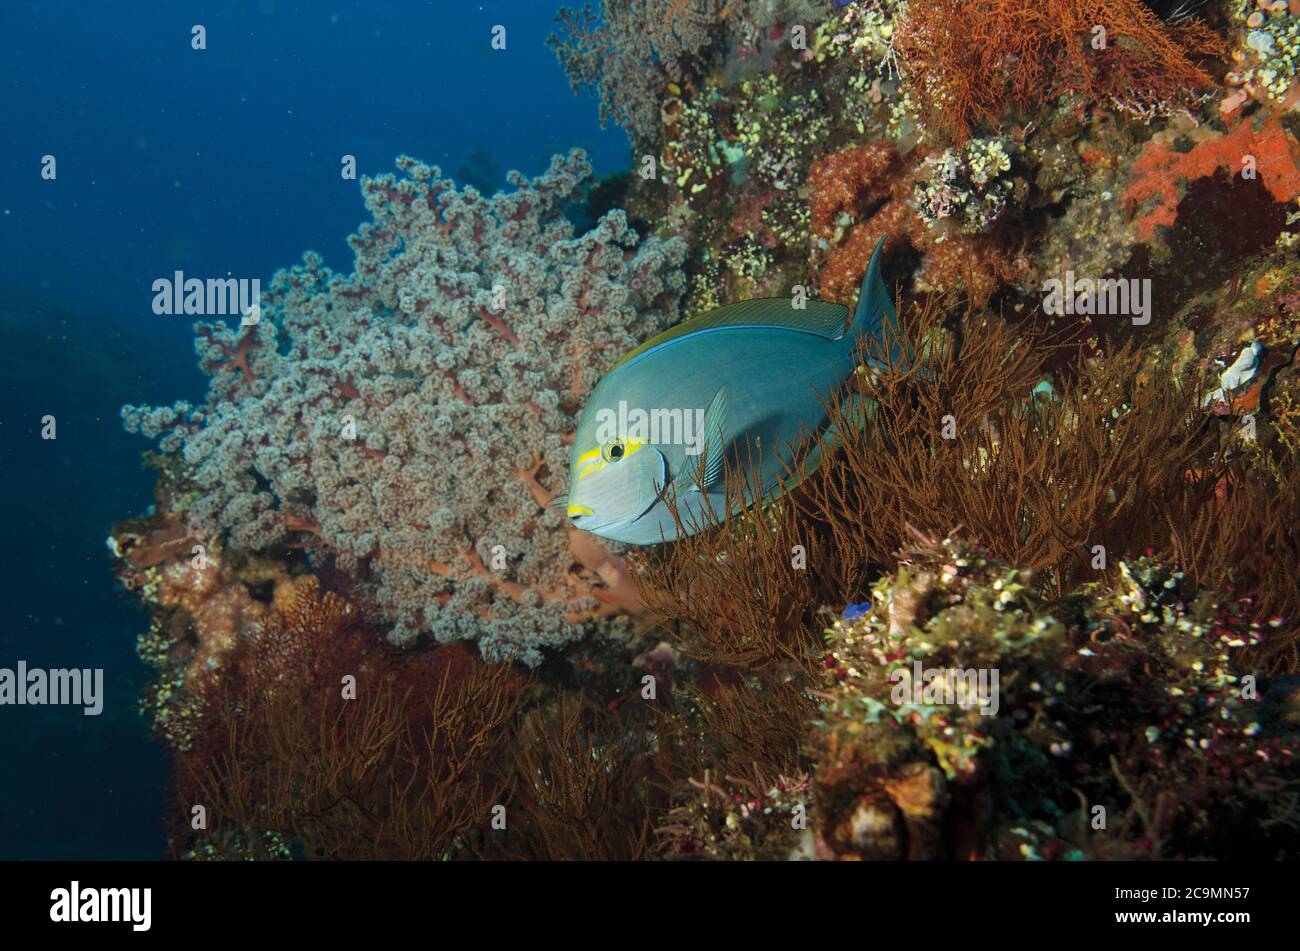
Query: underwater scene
column 651, row 430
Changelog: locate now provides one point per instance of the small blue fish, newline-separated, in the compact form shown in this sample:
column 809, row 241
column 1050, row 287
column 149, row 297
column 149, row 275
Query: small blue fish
column 737, row 387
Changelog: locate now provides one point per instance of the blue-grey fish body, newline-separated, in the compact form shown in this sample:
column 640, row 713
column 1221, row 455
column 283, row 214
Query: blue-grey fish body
column 736, row 388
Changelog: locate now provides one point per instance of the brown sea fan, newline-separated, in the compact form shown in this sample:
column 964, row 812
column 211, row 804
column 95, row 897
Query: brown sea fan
column 970, row 62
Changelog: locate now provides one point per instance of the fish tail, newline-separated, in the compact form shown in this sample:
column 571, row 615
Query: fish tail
column 875, row 316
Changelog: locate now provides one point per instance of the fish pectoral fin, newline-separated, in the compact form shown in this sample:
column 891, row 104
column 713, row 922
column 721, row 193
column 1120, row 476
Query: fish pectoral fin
column 559, row 502
column 706, row 469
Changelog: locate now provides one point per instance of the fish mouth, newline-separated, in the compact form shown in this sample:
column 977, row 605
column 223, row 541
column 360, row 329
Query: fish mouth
column 588, row 521
column 583, row 518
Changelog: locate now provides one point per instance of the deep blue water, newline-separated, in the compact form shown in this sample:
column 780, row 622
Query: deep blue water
column 214, row 161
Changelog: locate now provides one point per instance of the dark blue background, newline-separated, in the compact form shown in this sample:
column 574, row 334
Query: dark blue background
column 212, row 162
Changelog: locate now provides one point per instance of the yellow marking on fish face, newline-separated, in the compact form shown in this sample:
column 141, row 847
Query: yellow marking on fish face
column 579, row 510
column 595, row 460
column 589, row 462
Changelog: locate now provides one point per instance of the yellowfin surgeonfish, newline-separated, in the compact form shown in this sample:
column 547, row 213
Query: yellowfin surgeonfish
column 738, row 386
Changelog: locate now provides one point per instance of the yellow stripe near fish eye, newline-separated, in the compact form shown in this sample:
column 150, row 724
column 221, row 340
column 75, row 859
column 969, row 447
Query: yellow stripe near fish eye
column 595, row 459
column 579, row 510
column 588, row 462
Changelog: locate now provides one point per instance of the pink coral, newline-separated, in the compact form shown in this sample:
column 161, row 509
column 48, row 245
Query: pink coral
column 410, row 419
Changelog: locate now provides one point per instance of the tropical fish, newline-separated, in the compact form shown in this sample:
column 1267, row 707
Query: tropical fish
column 738, row 388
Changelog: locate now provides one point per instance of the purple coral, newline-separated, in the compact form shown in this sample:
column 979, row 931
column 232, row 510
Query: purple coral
column 411, row 417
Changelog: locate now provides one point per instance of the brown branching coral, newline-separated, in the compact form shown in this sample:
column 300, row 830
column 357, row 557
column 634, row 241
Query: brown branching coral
column 1117, row 462
column 328, row 745
column 1073, row 484
column 1246, row 539
column 752, row 721
column 582, row 781
column 1046, row 481
column 741, row 585
column 971, row 62
column 1111, row 465
column 729, row 721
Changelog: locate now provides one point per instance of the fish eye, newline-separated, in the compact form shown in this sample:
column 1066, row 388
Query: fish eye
column 614, row 451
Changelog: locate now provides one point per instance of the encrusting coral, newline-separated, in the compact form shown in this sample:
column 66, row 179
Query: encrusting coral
column 1259, row 146
column 1062, row 756
column 408, row 421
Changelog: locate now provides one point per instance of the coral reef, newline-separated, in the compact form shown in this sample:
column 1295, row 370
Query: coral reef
column 299, row 733
column 968, row 185
column 408, row 421
column 961, row 715
column 629, row 53
column 1109, row 463
column 1094, row 505
column 739, row 819
column 1065, row 602
column 582, row 780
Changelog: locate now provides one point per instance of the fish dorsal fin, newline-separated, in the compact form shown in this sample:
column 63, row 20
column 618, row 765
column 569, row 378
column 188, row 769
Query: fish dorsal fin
column 816, row 317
